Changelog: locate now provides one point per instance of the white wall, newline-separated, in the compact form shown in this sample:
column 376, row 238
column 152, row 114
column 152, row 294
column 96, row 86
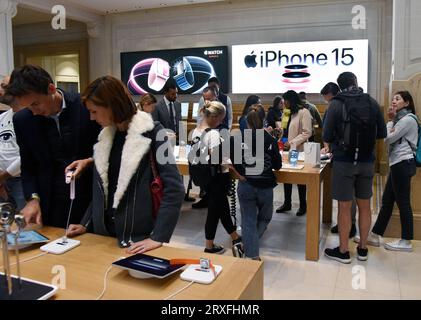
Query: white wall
column 407, row 39
column 229, row 23
column 241, row 22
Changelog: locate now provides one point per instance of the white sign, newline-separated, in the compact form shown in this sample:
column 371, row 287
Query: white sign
column 300, row 66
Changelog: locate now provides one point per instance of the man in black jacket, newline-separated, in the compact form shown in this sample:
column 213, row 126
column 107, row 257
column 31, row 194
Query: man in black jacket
column 353, row 123
column 53, row 131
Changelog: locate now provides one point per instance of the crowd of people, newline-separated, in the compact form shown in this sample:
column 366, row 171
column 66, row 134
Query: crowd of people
column 110, row 144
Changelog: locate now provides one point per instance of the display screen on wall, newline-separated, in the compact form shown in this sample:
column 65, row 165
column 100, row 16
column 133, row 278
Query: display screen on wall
column 147, row 71
column 299, row 66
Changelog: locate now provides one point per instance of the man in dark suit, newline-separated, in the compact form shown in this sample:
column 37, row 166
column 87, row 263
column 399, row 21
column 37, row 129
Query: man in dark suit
column 53, row 131
column 168, row 112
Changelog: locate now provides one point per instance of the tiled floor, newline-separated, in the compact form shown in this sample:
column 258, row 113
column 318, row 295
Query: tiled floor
column 287, row 275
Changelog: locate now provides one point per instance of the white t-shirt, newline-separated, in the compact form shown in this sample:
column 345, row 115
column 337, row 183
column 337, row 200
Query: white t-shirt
column 9, row 149
column 212, row 139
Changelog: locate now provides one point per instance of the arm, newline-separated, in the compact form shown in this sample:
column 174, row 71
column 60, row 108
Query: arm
column 270, row 118
column 307, row 128
column 28, row 170
column 318, row 117
column 329, row 124
column 78, row 229
column 4, row 175
column 398, row 131
column 172, row 200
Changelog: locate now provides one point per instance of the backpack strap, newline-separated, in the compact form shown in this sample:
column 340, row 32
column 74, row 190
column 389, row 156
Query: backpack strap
column 413, row 116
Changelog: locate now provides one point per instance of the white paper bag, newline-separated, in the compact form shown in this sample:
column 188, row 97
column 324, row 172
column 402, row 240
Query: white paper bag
column 312, row 154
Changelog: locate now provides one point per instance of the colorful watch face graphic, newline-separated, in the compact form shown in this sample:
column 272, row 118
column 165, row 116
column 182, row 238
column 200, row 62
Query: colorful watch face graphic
column 189, row 72
column 183, row 73
column 158, row 74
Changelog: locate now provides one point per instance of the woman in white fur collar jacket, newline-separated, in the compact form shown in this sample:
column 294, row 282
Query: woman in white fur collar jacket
column 122, row 201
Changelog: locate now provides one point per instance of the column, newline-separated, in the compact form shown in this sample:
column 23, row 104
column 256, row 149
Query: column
column 7, row 12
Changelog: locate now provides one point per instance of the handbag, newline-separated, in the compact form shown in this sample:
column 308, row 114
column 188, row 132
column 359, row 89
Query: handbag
column 156, row 186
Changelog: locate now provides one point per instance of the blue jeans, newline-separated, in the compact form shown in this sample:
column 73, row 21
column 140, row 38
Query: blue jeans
column 256, row 205
column 15, row 192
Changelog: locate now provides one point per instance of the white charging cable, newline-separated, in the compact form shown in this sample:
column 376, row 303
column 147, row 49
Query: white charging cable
column 28, row 259
column 179, row 291
column 105, row 283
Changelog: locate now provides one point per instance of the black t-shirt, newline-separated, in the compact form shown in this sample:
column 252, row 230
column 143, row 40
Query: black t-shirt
column 114, row 162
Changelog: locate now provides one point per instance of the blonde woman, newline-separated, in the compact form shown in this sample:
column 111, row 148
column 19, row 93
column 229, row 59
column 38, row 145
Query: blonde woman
column 148, row 103
column 213, row 113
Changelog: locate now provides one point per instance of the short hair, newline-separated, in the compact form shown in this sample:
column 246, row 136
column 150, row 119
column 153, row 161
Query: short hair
column 148, row 98
column 111, row 93
column 256, row 116
column 346, row 80
column 331, row 88
column 210, row 89
column 213, row 79
column 28, row 79
column 302, row 95
column 213, row 108
column 170, row 85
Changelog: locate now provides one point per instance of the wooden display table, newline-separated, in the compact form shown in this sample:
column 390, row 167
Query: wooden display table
column 85, row 267
column 313, row 179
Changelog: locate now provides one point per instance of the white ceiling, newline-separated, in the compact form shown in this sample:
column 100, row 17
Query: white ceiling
column 113, row 6
column 28, row 11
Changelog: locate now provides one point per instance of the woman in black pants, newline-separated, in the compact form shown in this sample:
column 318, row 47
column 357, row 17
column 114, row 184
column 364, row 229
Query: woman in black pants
column 402, row 139
column 299, row 131
column 218, row 208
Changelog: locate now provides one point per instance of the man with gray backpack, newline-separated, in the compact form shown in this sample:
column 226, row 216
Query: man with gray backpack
column 353, row 124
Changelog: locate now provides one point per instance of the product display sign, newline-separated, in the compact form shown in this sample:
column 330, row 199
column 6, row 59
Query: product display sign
column 147, row 71
column 300, row 66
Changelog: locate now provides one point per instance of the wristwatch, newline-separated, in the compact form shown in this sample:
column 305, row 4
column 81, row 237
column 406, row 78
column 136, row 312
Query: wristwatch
column 34, row 196
column 183, row 73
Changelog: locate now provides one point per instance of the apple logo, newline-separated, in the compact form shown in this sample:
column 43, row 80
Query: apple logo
column 250, row 60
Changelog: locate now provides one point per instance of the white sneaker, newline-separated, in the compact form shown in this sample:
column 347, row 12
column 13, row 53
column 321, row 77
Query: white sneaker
column 372, row 240
column 399, row 245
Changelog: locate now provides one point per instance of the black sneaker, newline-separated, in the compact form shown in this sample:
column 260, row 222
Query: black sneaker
column 335, row 229
column 362, row 254
column 203, row 203
column 337, row 255
column 237, row 248
column 283, row 208
column 216, row 249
